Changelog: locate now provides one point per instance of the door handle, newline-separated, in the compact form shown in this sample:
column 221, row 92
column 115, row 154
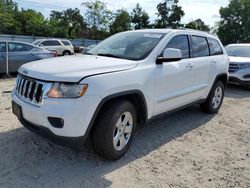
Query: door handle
column 213, row 62
column 190, row 65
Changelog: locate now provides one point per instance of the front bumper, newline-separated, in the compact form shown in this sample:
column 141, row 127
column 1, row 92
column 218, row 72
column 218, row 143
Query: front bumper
column 241, row 77
column 76, row 113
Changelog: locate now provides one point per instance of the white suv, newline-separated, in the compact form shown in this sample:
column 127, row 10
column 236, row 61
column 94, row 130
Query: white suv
column 62, row 47
column 124, row 81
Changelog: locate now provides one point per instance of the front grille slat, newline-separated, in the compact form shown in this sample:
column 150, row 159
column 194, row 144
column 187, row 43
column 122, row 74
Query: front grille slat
column 233, row 67
column 30, row 90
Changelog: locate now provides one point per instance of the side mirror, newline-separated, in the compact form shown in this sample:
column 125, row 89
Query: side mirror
column 169, row 55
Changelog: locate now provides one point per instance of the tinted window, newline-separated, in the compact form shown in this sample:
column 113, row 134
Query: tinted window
column 215, row 48
column 2, row 47
column 51, row 43
column 199, row 46
column 66, row 43
column 19, row 47
column 180, row 42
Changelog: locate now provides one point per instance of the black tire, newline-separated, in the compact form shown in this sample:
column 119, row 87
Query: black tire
column 246, row 87
column 103, row 132
column 208, row 106
column 66, row 53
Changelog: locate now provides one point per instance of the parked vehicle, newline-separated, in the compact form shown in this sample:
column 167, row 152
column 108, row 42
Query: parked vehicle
column 62, row 47
column 125, row 81
column 239, row 68
column 88, row 48
column 20, row 53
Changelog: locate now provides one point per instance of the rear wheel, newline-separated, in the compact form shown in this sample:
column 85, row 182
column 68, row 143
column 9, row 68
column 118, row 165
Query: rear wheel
column 247, row 87
column 114, row 130
column 66, row 53
column 215, row 99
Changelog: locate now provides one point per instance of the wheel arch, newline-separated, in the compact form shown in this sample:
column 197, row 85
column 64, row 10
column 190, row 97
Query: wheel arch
column 136, row 97
column 223, row 78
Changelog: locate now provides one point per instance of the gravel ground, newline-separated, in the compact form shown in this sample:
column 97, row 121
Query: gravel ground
column 184, row 149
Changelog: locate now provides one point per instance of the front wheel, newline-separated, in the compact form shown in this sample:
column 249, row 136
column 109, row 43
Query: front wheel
column 114, row 130
column 66, row 53
column 215, row 99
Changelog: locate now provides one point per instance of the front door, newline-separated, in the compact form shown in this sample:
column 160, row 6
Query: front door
column 174, row 79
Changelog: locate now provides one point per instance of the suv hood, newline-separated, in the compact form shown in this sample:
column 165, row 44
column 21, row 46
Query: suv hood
column 74, row 68
column 239, row 60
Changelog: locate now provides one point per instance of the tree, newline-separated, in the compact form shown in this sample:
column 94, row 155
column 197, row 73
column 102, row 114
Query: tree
column 198, row 25
column 31, row 22
column 97, row 14
column 121, row 22
column 8, row 9
column 169, row 14
column 234, row 25
column 139, row 18
column 65, row 23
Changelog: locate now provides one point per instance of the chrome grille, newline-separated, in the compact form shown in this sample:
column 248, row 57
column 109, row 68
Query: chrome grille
column 31, row 90
column 233, row 67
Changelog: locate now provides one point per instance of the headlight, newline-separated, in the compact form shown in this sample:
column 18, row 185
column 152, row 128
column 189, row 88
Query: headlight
column 67, row 90
column 244, row 65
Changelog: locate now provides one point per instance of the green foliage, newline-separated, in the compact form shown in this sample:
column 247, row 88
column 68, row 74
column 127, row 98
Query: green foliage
column 8, row 9
column 198, row 25
column 140, row 18
column 169, row 14
column 121, row 22
column 235, row 23
column 67, row 23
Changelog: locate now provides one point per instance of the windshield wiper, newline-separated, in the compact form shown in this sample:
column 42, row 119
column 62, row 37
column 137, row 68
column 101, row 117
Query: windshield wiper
column 109, row 55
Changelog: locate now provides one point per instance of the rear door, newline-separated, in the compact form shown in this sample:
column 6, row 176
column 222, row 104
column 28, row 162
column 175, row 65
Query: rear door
column 19, row 53
column 201, row 60
column 2, row 57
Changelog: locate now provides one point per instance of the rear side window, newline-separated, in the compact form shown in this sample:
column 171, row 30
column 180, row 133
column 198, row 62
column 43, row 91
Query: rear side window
column 180, row 42
column 66, row 43
column 199, row 46
column 51, row 43
column 215, row 48
column 19, row 47
column 2, row 47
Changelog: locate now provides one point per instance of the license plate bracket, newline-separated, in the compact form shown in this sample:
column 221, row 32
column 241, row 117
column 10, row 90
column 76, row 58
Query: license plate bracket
column 17, row 110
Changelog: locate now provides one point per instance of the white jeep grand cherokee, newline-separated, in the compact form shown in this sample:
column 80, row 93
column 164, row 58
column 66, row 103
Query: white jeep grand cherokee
column 124, row 81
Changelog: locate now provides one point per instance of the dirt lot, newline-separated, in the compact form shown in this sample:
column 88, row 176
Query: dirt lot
column 184, row 149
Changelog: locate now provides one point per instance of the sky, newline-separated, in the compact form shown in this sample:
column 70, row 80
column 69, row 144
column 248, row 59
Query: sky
column 207, row 10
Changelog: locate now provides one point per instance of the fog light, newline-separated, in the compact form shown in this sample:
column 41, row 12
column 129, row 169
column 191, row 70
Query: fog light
column 56, row 122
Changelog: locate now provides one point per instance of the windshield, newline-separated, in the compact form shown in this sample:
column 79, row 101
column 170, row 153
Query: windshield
column 238, row 51
column 128, row 45
column 36, row 42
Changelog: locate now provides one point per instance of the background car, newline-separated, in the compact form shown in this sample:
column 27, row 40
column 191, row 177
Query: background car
column 88, row 48
column 62, row 47
column 20, row 53
column 239, row 66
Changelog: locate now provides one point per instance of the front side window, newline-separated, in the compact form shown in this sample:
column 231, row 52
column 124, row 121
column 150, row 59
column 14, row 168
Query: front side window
column 128, row 45
column 215, row 48
column 180, row 42
column 2, row 47
column 51, row 43
column 199, row 46
column 19, row 47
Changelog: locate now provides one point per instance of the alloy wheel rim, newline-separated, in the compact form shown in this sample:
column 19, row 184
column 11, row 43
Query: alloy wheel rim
column 217, row 97
column 123, row 131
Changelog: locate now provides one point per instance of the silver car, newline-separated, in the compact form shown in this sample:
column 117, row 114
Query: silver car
column 239, row 67
column 20, row 53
